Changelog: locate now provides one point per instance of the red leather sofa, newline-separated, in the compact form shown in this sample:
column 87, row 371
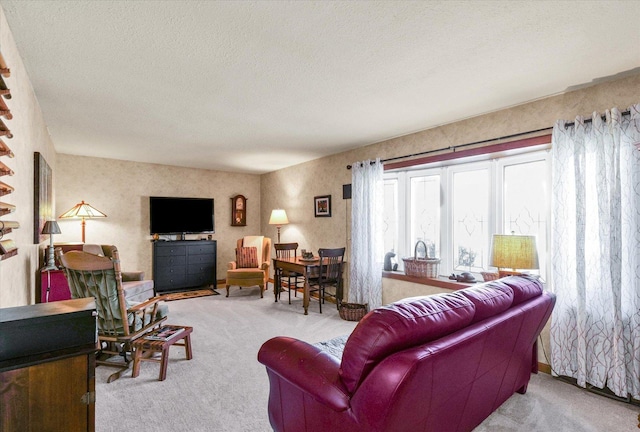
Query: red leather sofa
column 436, row 363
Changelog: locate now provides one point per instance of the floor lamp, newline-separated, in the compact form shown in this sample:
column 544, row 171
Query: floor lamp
column 83, row 211
column 278, row 218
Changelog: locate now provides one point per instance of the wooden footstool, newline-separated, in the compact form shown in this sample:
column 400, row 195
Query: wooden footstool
column 145, row 348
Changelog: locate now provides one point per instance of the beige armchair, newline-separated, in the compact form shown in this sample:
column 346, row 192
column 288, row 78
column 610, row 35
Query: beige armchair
column 248, row 269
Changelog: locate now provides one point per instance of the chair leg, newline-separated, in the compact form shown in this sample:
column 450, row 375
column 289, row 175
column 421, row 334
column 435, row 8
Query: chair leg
column 227, row 291
column 114, row 349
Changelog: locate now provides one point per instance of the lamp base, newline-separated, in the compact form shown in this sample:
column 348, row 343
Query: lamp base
column 505, row 273
column 51, row 261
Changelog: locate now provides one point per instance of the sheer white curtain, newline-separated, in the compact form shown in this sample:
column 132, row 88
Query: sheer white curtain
column 595, row 328
column 365, row 284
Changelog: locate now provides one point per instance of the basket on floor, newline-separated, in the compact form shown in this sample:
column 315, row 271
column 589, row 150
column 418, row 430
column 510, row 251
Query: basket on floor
column 353, row 311
column 421, row 267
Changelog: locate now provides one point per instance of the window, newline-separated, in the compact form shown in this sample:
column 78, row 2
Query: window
column 455, row 209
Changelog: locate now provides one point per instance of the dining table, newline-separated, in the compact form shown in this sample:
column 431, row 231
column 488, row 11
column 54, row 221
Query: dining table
column 308, row 268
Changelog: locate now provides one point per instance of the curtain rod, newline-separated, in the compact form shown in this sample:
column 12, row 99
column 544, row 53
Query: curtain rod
column 589, row 119
column 456, row 147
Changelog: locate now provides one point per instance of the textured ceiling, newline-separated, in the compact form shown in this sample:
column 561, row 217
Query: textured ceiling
column 255, row 86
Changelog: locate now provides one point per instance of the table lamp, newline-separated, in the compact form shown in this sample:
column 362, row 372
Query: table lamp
column 513, row 252
column 278, row 218
column 84, row 211
column 51, row 228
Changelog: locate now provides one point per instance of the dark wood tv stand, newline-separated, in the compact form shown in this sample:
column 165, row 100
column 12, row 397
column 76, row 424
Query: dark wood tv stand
column 183, row 265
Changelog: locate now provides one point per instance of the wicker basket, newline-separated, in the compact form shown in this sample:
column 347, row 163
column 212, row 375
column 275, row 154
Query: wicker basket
column 353, row 311
column 488, row 276
column 421, row 267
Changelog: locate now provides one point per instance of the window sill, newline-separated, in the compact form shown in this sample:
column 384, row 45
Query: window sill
column 440, row 282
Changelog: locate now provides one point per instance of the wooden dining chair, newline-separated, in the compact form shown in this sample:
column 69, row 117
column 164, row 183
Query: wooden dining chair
column 330, row 275
column 294, row 280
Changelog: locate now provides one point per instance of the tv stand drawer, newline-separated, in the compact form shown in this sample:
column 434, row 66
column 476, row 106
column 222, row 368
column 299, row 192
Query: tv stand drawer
column 184, row 264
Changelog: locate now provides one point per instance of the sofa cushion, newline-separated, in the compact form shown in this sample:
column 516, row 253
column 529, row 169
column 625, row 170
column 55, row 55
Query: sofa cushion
column 247, row 257
column 132, row 276
column 138, row 291
column 524, row 287
column 400, row 325
column 93, row 249
column 489, row 299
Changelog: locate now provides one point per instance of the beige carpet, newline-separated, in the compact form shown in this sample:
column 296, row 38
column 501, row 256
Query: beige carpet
column 224, row 388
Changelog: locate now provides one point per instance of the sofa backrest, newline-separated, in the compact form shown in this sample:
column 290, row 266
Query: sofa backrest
column 415, row 321
column 489, row 299
column 524, row 287
column 398, row 326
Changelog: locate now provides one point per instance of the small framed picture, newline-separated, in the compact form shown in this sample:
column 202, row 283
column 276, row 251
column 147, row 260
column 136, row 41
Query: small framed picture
column 322, row 206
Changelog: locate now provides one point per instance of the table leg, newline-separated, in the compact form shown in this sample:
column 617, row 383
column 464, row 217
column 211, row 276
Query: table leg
column 276, row 283
column 164, row 362
column 305, row 294
column 187, row 347
column 136, row 362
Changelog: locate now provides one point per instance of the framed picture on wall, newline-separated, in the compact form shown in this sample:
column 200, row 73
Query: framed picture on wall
column 322, row 206
column 238, row 211
column 42, row 197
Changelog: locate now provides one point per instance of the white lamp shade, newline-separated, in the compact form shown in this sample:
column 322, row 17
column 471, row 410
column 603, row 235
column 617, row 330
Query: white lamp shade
column 82, row 210
column 278, row 217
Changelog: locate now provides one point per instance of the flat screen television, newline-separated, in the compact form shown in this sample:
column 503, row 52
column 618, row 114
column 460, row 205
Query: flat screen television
column 173, row 215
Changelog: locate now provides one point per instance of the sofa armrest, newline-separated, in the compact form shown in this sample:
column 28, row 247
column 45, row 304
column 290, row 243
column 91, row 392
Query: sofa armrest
column 265, row 266
column 132, row 276
column 231, row 265
column 307, row 368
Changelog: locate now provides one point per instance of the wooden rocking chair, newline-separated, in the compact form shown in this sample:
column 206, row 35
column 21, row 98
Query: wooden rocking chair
column 120, row 322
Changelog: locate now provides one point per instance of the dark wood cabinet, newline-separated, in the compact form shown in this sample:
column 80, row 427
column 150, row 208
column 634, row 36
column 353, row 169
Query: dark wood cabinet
column 47, row 378
column 183, row 265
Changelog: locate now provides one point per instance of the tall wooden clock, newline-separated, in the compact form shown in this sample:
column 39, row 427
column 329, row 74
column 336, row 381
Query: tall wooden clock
column 238, row 211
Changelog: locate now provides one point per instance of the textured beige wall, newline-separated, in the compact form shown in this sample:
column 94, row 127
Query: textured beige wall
column 122, row 189
column 394, row 290
column 294, row 188
column 19, row 273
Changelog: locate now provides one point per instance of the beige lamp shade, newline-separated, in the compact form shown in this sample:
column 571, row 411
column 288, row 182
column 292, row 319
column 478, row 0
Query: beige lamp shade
column 278, row 218
column 514, row 252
